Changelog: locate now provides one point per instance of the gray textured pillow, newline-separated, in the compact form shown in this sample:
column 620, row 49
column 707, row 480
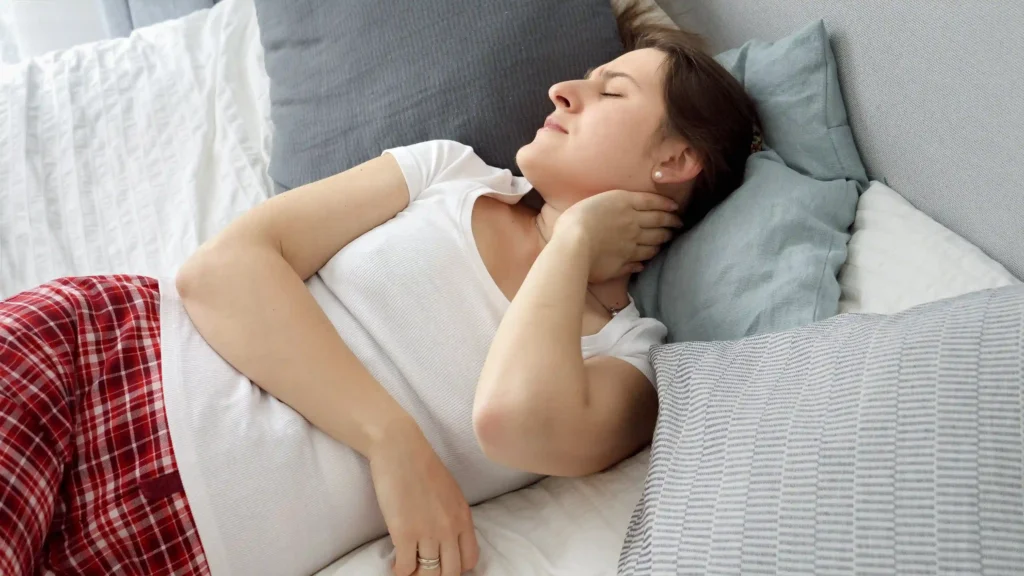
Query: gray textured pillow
column 860, row 444
column 767, row 258
column 350, row 78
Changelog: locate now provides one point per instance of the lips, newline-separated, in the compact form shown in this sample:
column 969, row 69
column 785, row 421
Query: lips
column 550, row 124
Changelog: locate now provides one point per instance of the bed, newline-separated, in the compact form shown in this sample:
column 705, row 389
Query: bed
column 125, row 155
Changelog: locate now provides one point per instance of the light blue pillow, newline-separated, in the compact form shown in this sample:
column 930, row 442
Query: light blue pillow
column 796, row 86
column 767, row 258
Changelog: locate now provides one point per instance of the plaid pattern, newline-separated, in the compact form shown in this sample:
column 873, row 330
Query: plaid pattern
column 88, row 480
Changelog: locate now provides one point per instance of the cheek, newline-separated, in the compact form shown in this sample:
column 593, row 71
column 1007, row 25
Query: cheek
column 615, row 127
column 615, row 141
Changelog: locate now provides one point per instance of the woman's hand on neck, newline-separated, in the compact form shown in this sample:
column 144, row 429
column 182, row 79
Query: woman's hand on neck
column 613, row 293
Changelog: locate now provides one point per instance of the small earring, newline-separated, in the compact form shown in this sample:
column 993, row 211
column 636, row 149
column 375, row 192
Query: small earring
column 657, row 175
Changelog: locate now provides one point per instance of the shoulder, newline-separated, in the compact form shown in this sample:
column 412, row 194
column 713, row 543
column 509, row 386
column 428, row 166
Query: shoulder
column 434, row 162
column 437, row 159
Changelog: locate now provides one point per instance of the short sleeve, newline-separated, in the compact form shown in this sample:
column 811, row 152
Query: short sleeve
column 427, row 164
column 635, row 344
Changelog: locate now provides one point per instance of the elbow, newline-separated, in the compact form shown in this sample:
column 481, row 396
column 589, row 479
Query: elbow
column 188, row 281
column 187, row 278
column 202, row 271
column 506, row 433
column 490, row 425
column 518, row 438
column 492, row 417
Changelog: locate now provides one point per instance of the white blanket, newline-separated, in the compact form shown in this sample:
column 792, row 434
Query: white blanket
column 123, row 156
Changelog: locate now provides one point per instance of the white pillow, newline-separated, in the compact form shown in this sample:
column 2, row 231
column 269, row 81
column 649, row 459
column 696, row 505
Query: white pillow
column 899, row 257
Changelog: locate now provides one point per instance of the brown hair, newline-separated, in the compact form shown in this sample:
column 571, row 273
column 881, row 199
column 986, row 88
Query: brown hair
column 706, row 106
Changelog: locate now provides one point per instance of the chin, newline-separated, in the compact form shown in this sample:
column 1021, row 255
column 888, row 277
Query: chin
column 530, row 161
column 551, row 174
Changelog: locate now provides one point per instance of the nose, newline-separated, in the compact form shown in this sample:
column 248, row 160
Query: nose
column 566, row 96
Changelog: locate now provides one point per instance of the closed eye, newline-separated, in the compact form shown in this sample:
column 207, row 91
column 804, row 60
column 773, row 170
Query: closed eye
column 609, row 94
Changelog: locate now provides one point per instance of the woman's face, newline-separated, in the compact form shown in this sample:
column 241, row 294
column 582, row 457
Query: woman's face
column 604, row 134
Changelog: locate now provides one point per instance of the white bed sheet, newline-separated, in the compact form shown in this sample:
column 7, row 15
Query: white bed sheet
column 556, row 527
column 125, row 155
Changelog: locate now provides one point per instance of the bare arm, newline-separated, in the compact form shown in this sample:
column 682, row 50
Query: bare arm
column 539, row 406
column 244, row 292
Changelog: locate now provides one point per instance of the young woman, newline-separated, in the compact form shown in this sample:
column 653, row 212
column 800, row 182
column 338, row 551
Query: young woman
column 369, row 353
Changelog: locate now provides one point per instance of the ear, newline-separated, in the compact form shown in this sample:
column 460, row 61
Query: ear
column 679, row 165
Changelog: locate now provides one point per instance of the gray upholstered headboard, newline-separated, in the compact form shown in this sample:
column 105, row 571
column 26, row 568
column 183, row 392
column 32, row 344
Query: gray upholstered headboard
column 935, row 92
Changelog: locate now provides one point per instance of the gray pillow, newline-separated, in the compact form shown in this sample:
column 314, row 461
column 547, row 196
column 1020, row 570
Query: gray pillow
column 350, row 78
column 767, row 258
column 863, row 443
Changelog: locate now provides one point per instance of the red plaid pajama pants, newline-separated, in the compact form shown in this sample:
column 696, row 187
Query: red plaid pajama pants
column 88, row 480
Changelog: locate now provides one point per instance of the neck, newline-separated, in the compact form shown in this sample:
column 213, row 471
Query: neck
column 612, row 293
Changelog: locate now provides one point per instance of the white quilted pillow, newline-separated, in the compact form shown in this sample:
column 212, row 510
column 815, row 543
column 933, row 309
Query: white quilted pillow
column 899, row 257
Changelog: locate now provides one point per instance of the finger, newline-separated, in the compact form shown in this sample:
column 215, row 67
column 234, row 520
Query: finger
column 405, row 556
column 428, row 549
column 451, row 558
column 654, row 236
column 651, row 201
column 469, row 548
column 656, row 219
column 645, row 253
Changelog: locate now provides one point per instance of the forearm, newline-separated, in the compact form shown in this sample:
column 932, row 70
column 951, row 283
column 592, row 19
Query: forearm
column 534, row 370
column 254, row 310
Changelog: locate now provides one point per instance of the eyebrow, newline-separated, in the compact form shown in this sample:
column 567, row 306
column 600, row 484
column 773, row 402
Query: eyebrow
column 608, row 74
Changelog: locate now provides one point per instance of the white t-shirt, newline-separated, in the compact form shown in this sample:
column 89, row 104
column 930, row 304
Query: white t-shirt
column 412, row 298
